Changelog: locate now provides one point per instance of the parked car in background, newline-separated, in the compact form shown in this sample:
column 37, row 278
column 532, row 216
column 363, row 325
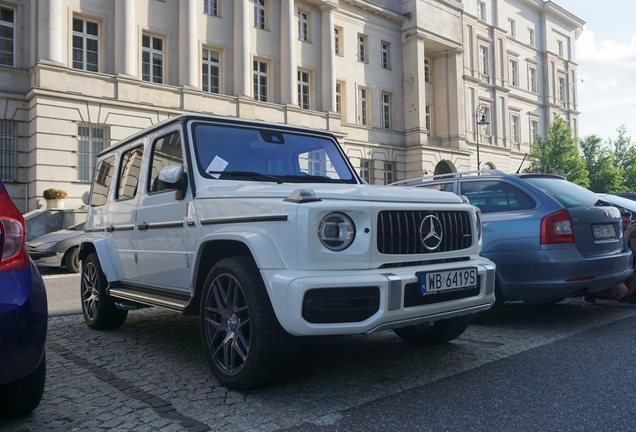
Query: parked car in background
column 627, row 195
column 23, row 317
column 58, row 249
column 549, row 238
column 620, row 202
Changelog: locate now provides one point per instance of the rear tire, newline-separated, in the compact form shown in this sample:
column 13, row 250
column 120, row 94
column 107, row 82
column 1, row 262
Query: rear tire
column 22, row 396
column 434, row 333
column 100, row 312
column 243, row 342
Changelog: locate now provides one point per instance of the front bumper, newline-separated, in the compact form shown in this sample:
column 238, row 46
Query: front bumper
column 23, row 314
column 287, row 290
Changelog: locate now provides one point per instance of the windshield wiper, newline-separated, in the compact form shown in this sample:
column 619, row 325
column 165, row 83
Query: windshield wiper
column 310, row 178
column 252, row 174
column 602, row 202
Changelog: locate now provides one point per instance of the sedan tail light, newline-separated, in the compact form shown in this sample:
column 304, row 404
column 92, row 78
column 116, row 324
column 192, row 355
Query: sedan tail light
column 12, row 235
column 557, row 228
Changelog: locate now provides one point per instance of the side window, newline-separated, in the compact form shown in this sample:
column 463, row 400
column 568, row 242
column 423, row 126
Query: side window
column 103, row 177
column 129, row 174
column 165, row 151
column 493, row 196
column 446, row 187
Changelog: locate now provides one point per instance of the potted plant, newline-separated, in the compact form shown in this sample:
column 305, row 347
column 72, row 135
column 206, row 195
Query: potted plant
column 54, row 198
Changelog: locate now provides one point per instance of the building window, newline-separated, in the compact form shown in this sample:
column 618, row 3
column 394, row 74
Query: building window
column 303, row 89
column 389, row 172
column 530, row 37
column 427, row 71
column 303, row 26
column 511, row 28
column 428, row 119
column 211, row 68
column 259, row 14
column 362, row 48
column 152, row 59
column 483, row 60
column 8, row 150
column 481, row 10
column 514, row 128
column 534, row 130
column 365, row 170
column 211, row 7
column 363, row 106
column 85, row 45
column 337, row 34
column 7, row 37
column 532, row 79
column 339, row 98
column 562, row 91
column 512, row 72
column 90, row 141
column 560, row 48
column 386, row 64
column 260, row 80
column 386, row 110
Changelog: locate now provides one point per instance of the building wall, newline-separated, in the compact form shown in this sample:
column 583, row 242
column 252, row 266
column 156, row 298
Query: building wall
column 49, row 102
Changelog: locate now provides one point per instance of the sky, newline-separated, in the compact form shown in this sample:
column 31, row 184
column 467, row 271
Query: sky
column 606, row 57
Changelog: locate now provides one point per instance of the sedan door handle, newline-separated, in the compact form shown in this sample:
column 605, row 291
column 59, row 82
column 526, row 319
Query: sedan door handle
column 142, row 227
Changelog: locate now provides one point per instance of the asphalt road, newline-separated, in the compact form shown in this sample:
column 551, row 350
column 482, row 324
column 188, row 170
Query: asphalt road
column 564, row 367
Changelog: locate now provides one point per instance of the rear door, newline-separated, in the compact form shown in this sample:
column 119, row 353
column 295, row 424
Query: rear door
column 596, row 224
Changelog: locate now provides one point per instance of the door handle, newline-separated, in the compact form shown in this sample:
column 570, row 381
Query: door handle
column 142, row 227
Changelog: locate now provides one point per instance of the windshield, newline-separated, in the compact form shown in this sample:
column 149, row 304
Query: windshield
column 620, row 202
column 267, row 154
column 567, row 193
column 78, row 227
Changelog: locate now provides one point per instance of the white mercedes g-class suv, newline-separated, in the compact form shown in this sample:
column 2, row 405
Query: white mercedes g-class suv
column 267, row 233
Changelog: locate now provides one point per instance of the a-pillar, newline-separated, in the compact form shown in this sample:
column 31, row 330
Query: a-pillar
column 188, row 49
column 242, row 48
column 125, row 60
column 288, row 68
column 50, row 30
column 328, row 58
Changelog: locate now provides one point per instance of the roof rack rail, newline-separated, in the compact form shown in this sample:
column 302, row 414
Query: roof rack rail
column 445, row 176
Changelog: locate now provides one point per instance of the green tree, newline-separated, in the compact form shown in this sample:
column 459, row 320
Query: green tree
column 625, row 153
column 559, row 151
column 600, row 162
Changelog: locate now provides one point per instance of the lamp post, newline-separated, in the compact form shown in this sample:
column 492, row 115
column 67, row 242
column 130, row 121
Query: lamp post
column 480, row 120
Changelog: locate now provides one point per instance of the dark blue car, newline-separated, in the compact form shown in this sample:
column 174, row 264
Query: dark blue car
column 23, row 317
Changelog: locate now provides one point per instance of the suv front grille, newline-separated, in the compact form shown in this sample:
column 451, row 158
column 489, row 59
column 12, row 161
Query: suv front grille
column 399, row 231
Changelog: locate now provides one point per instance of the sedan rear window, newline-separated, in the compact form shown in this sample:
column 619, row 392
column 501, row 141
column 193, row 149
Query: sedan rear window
column 567, row 193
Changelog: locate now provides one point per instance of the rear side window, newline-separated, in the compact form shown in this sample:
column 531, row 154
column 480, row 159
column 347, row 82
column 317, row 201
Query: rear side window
column 494, row 196
column 166, row 151
column 567, row 193
column 129, row 174
column 103, row 178
column 446, row 187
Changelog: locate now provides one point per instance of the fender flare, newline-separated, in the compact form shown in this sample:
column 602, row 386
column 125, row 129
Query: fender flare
column 103, row 254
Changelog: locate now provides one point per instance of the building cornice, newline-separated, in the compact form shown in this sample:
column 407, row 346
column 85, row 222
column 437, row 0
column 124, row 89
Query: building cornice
column 378, row 10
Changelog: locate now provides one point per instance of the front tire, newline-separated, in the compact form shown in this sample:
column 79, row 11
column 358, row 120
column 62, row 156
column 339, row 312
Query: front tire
column 243, row 342
column 71, row 260
column 435, row 333
column 100, row 312
column 22, row 396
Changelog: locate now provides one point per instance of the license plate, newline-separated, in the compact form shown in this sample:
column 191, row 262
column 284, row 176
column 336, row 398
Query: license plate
column 604, row 232
column 458, row 279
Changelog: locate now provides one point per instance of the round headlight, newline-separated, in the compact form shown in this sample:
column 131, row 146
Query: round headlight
column 336, row 231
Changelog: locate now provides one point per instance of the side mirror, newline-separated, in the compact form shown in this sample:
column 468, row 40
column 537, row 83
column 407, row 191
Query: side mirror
column 173, row 177
column 86, row 197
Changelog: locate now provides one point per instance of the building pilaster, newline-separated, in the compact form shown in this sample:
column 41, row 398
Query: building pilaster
column 50, row 31
column 328, row 51
column 242, row 52
column 288, row 78
column 188, row 49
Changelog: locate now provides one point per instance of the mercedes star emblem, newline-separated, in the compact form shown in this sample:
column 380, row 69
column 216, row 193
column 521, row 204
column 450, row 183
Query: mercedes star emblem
column 431, row 232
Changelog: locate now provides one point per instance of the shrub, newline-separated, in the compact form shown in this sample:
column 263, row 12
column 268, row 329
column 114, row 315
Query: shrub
column 54, row 194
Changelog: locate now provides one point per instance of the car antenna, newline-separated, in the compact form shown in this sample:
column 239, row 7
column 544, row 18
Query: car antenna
column 522, row 161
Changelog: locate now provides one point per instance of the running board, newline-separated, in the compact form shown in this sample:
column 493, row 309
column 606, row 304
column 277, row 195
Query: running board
column 152, row 297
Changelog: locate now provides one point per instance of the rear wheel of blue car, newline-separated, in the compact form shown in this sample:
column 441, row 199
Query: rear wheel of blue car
column 23, row 395
column 243, row 342
column 100, row 312
column 434, row 333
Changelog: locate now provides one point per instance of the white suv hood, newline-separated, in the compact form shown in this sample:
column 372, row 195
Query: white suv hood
column 328, row 191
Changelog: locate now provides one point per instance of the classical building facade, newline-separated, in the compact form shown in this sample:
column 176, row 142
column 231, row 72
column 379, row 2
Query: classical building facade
column 402, row 83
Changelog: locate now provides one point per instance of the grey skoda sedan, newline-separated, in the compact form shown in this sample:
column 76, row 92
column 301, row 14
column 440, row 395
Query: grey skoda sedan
column 550, row 238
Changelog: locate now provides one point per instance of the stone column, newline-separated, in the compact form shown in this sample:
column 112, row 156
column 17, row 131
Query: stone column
column 126, row 43
column 414, row 88
column 288, row 68
column 50, row 31
column 328, row 51
column 456, row 110
column 188, row 49
column 242, row 54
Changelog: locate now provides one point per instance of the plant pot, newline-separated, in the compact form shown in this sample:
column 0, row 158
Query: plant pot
column 55, row 204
